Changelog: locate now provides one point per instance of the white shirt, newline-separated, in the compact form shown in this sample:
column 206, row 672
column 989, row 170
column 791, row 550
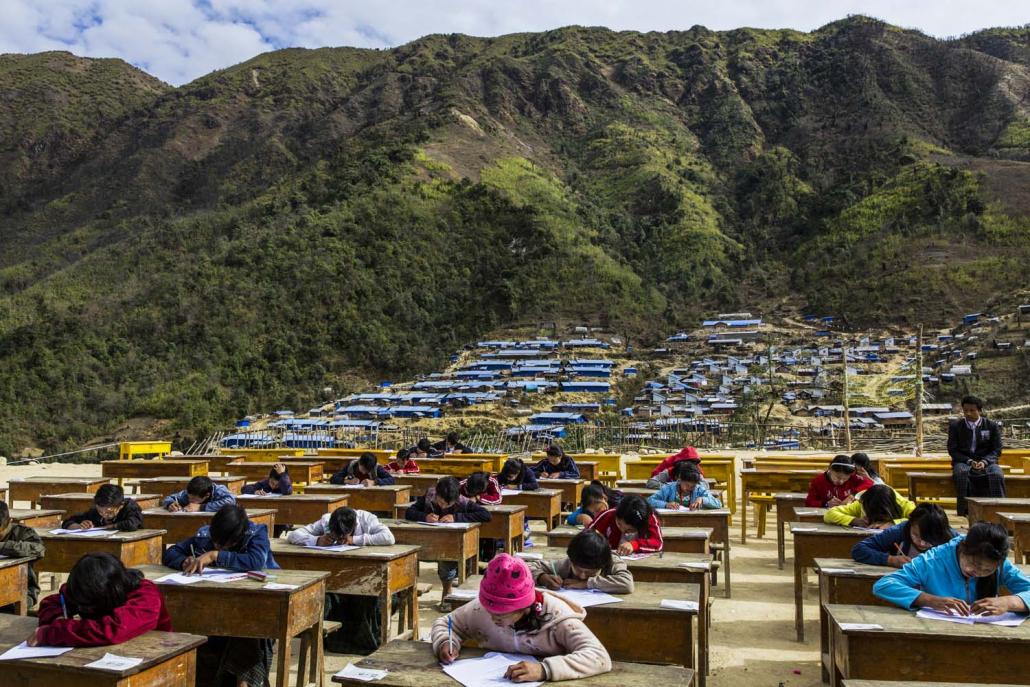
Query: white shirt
column 367, row 532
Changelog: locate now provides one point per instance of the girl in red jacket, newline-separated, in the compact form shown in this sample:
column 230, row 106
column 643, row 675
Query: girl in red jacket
column 630, row 528
column 404, row 463
column 837, row 486
column 102, row 603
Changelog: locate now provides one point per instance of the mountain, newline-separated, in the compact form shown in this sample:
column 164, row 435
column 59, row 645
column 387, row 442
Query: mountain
column 315, row 218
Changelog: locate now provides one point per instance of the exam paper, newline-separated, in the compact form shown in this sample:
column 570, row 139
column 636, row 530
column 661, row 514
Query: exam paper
column 697, row 565
column 452, row 525
column 487, row 671
column 465, row 593
column 335, row 547
column 838, row 571
column 1004, row 619
column 635, row 556
column 527, row 556
column 803, row 529
column 114, row 662
column 23, row 650
column 679, row 604
column 352, row 672
column 510, row 492
column 92, row 532
column 208, row 575
column 279, row 585
column 587, row 597
column 860, row 626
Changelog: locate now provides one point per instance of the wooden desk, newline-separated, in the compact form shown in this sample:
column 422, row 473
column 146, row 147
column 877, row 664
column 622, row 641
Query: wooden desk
column 172, row 485
column 786, row 502
column 769, row 482
column 14, row 584
column 854, row 587
column 1019, row 525
column 296, row 509
column 32, row 488
column 718, row 519
column 642, row 469
column 506, row 523
column 278, row 614
column 413, row 663
column 621, row 626
column 588, row 470
column 909, row 683
column 420, row 482
column 163, row 467
column 677, row 539
column 571, row 489
column 812, row 541
column 76, row 503
column 181, row 526
column 301, row 472
column 3, row 493
column 132, row 548
column 983, row 508
column 169, row 660
column 722, row 470
column 379, row 571
column 456, row 465
column 380, row 500
column 37, row 518
column 944, row 649
column 543, row 504
column 451, row 544
column 217, row 462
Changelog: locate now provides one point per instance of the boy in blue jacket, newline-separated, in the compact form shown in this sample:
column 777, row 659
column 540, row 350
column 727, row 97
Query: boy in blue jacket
column 962, row 577
column 365, row 471
column 687, row 490
column 927, row 526
column 556, row 465
column 277, row 482
column 200, row 494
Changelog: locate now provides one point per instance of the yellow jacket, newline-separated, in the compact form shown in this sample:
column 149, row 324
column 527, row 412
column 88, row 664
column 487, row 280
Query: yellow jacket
column 843, row 515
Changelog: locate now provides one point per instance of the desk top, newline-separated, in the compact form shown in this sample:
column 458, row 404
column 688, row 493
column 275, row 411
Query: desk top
column 19, row 514
column 384, row 553
column 11, row 562
column 823, row 528
column 200, row 515
column 327, row 487
column 1015, row 517
column 115, row 535
column 412, row 664
column 301, row 578
column 666, row 559
column 217, row 479
column 645, row 595
column 153, row 647
column 46, row 479
column 298, row 498
column 667, row 532
column 896, row 621
column 394, row 523
column 855, row 568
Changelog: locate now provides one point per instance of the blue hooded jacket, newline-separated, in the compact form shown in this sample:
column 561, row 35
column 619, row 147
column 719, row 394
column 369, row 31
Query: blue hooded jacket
column 669, row 493
column 220, row 496
column 874, row 550
column 253, row 553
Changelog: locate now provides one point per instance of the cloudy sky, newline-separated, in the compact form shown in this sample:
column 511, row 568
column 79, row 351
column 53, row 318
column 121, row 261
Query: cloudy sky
column 179, row 40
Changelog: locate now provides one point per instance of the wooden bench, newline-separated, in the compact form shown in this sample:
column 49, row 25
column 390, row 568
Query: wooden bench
column 986, row 508
column 940, row 486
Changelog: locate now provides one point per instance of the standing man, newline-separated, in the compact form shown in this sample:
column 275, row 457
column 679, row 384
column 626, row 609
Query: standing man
column 974, row 444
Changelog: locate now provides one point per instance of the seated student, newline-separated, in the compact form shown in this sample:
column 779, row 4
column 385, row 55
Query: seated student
column 277, row 482
column 404, row 463
column 110, row 509
column 19, row 541
column 630, row 528
column 837, row 486
column 366, row 470
column 556, row 465
column 102, row 603
column 444, row 503
column 974, row 444
column 878, row 507
column 231, row 542
column 588, row 564
column 424, row 449
column 359, row 614
column 864, row 468
column 515, row 474
column 927, row 526
column 200, row 494
column 662, row 474
column 688, row 491
column 481, row 487
column 592, row 502
column 450, row 444
column 963, row 576
column 511, row 616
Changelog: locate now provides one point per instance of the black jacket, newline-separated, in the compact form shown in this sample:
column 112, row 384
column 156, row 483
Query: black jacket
column 381, row 478
column 129, row 518
column 464, row 510
column 988, row 442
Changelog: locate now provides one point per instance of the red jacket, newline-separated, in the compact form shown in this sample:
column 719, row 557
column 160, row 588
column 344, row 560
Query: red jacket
column 686, row 453
column 649, row 542
column 410, row 467
column 143, row 611
column 821, row 490
column 492, row 495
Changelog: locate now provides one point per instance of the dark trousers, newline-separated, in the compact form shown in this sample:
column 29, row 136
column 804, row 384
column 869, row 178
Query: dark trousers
column 969, row 482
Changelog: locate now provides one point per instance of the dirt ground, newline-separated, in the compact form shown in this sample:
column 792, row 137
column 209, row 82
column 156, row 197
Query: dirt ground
column 752, row 638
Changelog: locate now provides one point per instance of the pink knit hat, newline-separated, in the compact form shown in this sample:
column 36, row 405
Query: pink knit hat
column 507, row 586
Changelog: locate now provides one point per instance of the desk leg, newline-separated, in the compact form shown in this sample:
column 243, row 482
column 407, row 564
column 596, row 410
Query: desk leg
column 413, row 612
column 282, row 678
column 317, row 668
column 726, row 573
column 799, row 601
column 385, row 613
column 743, row 519
column 781, row 541
column 702, row 638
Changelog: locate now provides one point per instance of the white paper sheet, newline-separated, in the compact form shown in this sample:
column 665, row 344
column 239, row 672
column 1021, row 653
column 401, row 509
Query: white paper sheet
column 838, row 571
column 588, row 597
column 527, row 556
column 23, row 650
column 487, row 671
column 696, row 565
column 209, row 575
column 803, row 529
column 114, row 662
column 279, row 586
column 666, row 511
column 1005, row 619
column 635, row 556
column 465, row 593
column 860, row 626
column 92, row 532
column 679, row 604
column 452, row 525
column 352, row 672
column 510, row 492
column 336, row 547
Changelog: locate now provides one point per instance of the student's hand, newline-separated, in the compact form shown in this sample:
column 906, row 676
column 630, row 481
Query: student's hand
column 326, row 540
column 352, row 480
column 834, row 502
column 997, row 605
column 898, row 561
column 195, row 566
column 349, row 540
column 696, row 503
column 980, row 465
column 193, row 507
column 860, row 522
column 174, row 507
column 369, row 482
column 584, row 519
column 552, row 582
column 448, row 654
column 673, row 505
column 574, row 583
column 850, row 499
column 446, row 518
column 279, row 468
column 526, row 671
column 944, row 604
column 260, row 492
column 625, row 549
column 881, row 525
column 432, row 517
column 33, row 639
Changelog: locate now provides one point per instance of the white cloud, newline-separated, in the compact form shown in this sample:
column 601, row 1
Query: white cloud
column 179, row 40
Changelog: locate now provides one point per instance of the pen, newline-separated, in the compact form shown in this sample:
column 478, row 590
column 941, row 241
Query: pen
column 450, row 641
column 64, row 608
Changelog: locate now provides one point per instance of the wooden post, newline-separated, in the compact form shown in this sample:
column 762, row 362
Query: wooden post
column 847, row 407
column 919, row 392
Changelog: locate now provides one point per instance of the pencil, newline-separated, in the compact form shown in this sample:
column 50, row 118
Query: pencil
column 450, row 627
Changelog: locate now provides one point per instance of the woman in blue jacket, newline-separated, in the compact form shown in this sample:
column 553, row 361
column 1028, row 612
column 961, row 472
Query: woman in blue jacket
column 962, row 577
column 687, row 490
column 927, row 526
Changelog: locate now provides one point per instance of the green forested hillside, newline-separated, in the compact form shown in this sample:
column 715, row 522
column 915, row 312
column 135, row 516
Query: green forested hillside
column 315, row 217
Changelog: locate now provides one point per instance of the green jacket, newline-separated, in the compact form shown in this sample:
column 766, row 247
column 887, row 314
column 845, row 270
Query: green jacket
column 22, row 541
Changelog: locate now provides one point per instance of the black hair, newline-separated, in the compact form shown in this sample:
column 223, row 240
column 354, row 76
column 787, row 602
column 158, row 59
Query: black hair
column 986, row 540
column 476, row 484
column 591, row 493
column 109, row 495
column 5, row 515
column 972, row 401
column 272, row 474
column 201, row 487
column 99, row 583
column 933, row 524
column 404, row 454
column 842, row 463
column 534, row 620
column 880, row 504
column 343, row 521
column 589, row 549
column 367, row 463
column 512, row 471
column 452, row 438
column 228, row 526
column 686, row 471
column 635, row 512
column 555, row 451
column 448, row 489
column 424, row 445
column 861, row 460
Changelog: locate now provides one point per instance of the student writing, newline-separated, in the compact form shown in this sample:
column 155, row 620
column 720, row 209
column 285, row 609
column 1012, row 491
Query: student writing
column 837, row 486
column 343, row 526
column 878, row 507
column 515, row 474
column 277, row 482
column 19, row 541
column 110, row 509
column 365, row 471
column 556, row 464
column 200, row 494
column 630, row 528
column 404, row 463
column 688, row 490
column 927, row 526
column 588, row 564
